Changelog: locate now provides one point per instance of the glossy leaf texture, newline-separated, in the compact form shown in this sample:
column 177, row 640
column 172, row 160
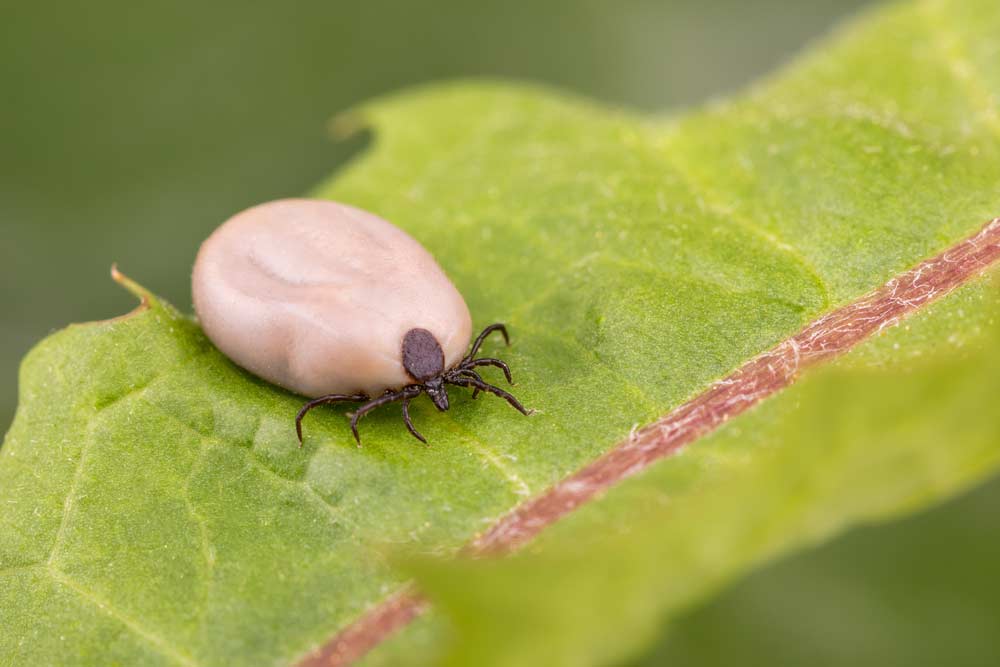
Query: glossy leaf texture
column 157, row 508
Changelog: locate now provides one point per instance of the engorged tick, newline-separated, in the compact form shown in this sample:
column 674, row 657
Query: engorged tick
column 334, row 303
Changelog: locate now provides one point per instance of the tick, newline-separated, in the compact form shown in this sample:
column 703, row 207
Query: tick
column 336, row 304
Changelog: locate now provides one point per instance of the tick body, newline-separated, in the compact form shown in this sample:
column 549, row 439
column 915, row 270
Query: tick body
column 336, row 304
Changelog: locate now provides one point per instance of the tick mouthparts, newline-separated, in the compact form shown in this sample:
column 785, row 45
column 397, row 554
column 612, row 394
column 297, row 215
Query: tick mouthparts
column 440, row 401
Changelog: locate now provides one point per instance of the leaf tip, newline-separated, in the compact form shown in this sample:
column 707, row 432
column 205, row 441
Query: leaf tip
column 146, row 298
column 346, row 125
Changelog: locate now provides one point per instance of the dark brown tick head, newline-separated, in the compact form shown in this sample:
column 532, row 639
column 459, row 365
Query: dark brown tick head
column 423, row 360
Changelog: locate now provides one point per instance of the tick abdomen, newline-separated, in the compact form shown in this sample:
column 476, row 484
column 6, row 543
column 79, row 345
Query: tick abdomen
column 317, row 297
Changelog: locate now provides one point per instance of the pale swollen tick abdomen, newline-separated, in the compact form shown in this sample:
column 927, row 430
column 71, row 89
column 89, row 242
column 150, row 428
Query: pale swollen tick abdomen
column 337, row 304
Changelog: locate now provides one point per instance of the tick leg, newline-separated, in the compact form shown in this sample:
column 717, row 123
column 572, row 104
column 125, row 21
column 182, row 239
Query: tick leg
column 489, row 361
column 409, row 424
column 388, row 397
column 468, row 372
column 482, row 336
column 497, row 391
column 323, row 400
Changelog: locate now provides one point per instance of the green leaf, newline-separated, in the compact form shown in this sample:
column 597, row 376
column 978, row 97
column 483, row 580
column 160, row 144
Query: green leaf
column 157, row 509
column 864, row 440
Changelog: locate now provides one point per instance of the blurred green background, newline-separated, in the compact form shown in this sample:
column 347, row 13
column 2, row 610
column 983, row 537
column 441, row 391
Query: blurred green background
column 130, row 130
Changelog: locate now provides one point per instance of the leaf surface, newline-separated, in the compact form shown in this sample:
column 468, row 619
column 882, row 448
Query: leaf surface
column 600, row 585
column 157, row 509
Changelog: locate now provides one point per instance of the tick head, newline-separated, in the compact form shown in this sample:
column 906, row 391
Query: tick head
column 435, row 389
